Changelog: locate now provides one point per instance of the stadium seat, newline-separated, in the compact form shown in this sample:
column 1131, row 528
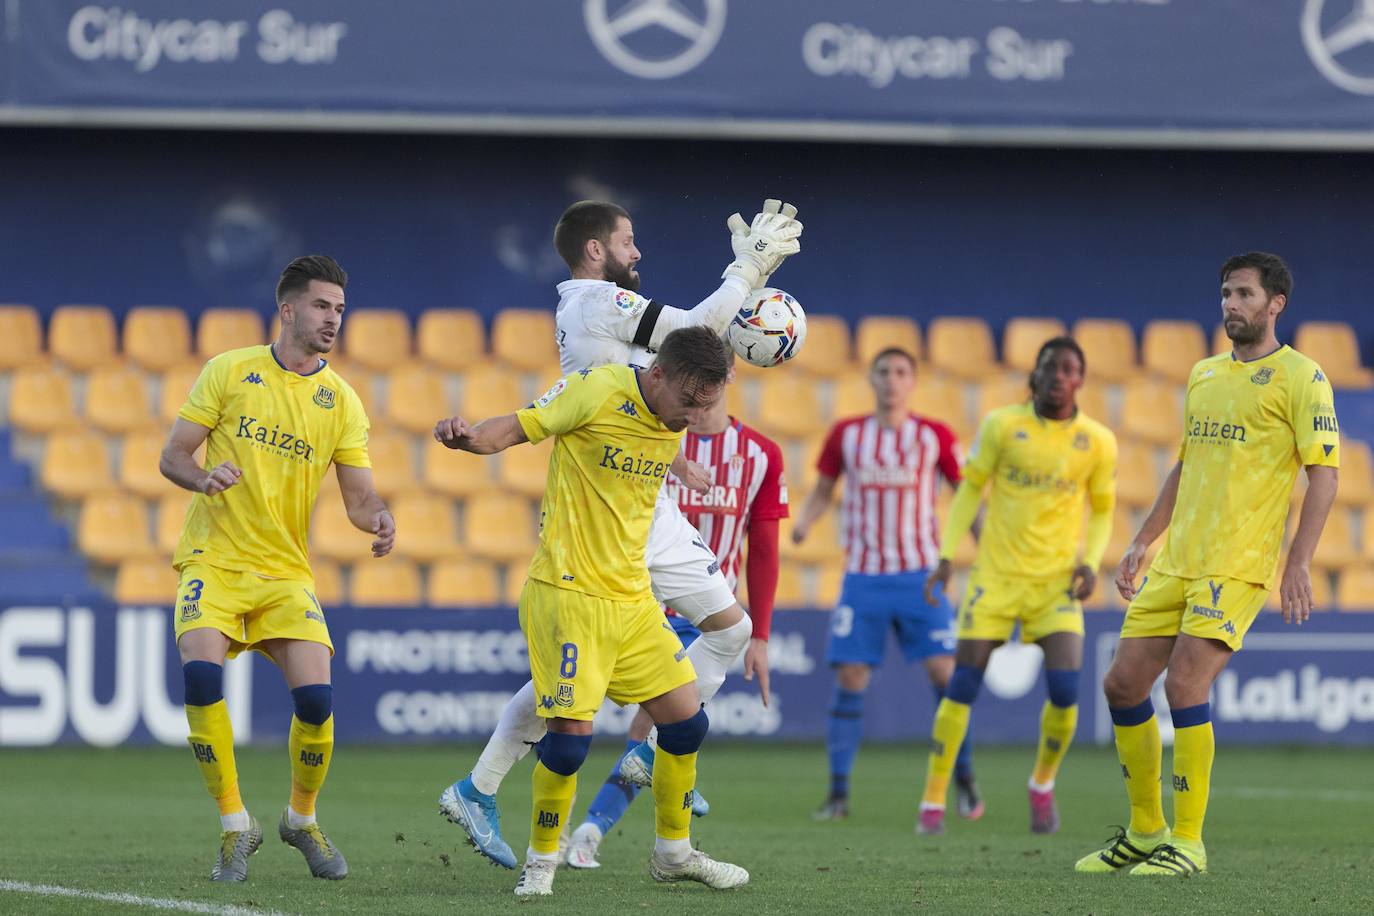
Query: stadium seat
column 1151, row 410
column 41, row 399
column 171, row 517
column 451, row 338
column 513, row 577
column 1093, row 401
column 792, row 581
column 426, row 527
column 76, row 464
column 1355, row 589
column 114, row 527
column 797, row 410
column 1170, row 349
column 940, row 397
column 416, row 398
column 737, row 401
column 1336, row 349
column 463, row 583
column 1023, row 338
column 1337, row 548
column 147, row 580
column 499, row 526
column 853, row 396
column 490, row 391
column 1124, row 527
column 1137, row 476
column 1109, row 345
column 524, row 468
column 329, row 587
column 454, row 472
column 822, row 543
column 173, row 388
column 21, row 336
column 876, row 333
column 1220, row 342
column 388, row 582
column 364, row 383
column 829, row 584
column 393, row 462
column 1356, row 475
column 1001, row 390
column 523, row 337
column 961, row 346
column 827, row 349
column 157, row 337
column 377, row 338
column 333, row 536
column 82, row 336
column 222, row 329
column 117, row 400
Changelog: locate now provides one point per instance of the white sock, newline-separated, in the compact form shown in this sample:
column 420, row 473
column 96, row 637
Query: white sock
column 1037, row 787
column 713, row 653
column 238, row 821
column 518, row 729
column 674, row 852
column 295, row 820
column 545, row 856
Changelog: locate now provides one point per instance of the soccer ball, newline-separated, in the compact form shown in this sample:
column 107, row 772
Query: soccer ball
column 769, row 329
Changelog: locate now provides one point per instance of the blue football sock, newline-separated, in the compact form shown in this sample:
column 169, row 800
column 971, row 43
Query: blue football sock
column 963, row 761
column 842, row 737
column 614, row 797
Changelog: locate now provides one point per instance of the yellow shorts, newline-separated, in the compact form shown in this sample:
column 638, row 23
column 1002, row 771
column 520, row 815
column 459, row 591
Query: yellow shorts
column 248, row 608
column 993, row 604
column 584, row 648
column 1216, row 608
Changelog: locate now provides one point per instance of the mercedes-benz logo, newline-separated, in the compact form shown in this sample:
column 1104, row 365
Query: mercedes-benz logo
column 1325, row 49
column 609, row 31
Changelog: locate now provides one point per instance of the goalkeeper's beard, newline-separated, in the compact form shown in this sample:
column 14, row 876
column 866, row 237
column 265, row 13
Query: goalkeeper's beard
column 621, row 274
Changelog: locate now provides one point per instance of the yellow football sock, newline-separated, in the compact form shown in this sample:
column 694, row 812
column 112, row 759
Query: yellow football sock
column 947, row 734
column 1139, row 750
column 1057, row 726
column 1194, row 748
column 675, row 776
column 311, row 748
column 553, row 796
column 212, row 741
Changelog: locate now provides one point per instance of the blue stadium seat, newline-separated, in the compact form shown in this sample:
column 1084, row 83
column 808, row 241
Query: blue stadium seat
column 26, row 526
column 45, row 579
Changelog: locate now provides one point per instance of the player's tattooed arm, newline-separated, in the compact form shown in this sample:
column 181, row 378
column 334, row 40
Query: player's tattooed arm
column 179, row 465
column 492, row 435
column 365, row 508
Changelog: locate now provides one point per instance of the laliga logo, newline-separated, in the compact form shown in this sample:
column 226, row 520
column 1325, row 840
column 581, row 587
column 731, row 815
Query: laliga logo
column 609, row 31
column 1353, row 31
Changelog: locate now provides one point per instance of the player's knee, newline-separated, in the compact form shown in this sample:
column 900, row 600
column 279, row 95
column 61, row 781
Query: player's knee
column 1062, row 687
column 204, row 683
column 1183, row 688
column 732, row 640
column 563, row 753
column 685, row 737
column 314, row 703
column 964, row 684
column 1120, row 689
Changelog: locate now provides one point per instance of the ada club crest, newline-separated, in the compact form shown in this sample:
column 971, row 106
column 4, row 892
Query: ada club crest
column 325, row 397
column 565, row 694
column 1263, row 376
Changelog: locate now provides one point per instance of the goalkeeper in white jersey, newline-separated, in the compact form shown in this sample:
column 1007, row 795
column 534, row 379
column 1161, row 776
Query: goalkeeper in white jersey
column 602, row 319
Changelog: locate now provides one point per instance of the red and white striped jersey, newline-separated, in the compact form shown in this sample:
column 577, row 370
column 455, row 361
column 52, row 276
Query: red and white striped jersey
column 887, row 516
column 747, row 483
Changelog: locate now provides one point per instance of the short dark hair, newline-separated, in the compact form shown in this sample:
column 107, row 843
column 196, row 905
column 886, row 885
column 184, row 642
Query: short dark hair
column 1274, row 274
column 300, row 272
column 583, row 221
column 694, row 354
column 892, row 351
column 1063, row 342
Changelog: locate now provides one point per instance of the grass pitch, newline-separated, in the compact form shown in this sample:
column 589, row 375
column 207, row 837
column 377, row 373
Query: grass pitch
column 1288, row 832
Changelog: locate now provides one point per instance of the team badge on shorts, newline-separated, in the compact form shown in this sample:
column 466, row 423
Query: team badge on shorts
column 565, row 695
column 325, row 397
column 190, row 611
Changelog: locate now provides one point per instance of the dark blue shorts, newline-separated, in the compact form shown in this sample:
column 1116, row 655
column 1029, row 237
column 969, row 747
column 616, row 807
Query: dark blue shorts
column 684, row 629
column 871, row 605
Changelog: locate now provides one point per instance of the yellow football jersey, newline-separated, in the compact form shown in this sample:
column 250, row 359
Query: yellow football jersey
column 607, row 467
column 1248, row 427
column 1042, row 471
column 282, row 430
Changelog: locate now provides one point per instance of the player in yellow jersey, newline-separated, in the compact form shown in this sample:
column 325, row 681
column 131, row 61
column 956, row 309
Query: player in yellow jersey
column 272, row 418
column 591, row 622
column 1044, row 460
column 1252, row 418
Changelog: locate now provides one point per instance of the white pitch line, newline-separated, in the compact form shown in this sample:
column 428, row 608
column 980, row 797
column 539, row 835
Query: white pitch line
column 1331, row 795
column 156, row 903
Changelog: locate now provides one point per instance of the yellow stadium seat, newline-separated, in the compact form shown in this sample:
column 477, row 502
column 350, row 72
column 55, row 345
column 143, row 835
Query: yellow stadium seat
column 1000, row 391
column 829, row 584
column 329, row 587
column 113, row 527
column 173, row 388
column 499, row 526
column 75, row 464
column 794, row 406
column 1220, row 342
column 393, row 462
column 139, row 454
column 416, row 398
column 1092, row 401
column 333, row 536
column 1124, row 528
column 157, row 337
column 451, row 338
column 1356, row 474
column 513, row 576
column 961, row 346
column 377, row 338
column 737, row 401
column 463, row 583
column 222, row 329
column 876, row 333
column 1151, row 410
column 1323, row 596
column 1335, row 348
column 1336, row 549
column 853, row 396
column 827, row 349
column 21, row 336
column 82, row 336
column 792, row 591
column 525, row 468
column 426, row 527
column 490, row 391
column 117, row 400
column 171, row 516
column 1355, row 589
column 41, row 399
column 363, row 381
column 1023, row 338
column 454, row 472
column 147, row 580
column 822, row 542
column 1109, row 346
column 1170, row 349
column 1137, row 476
column 524, row 337
column 940, row 397
column 388, row 582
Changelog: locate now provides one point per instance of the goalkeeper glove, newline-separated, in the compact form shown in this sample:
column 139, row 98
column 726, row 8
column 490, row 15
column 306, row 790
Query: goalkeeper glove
column 761, row 246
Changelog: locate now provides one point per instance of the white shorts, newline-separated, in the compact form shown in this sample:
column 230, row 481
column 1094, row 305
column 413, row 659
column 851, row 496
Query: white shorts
column 683, row 571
